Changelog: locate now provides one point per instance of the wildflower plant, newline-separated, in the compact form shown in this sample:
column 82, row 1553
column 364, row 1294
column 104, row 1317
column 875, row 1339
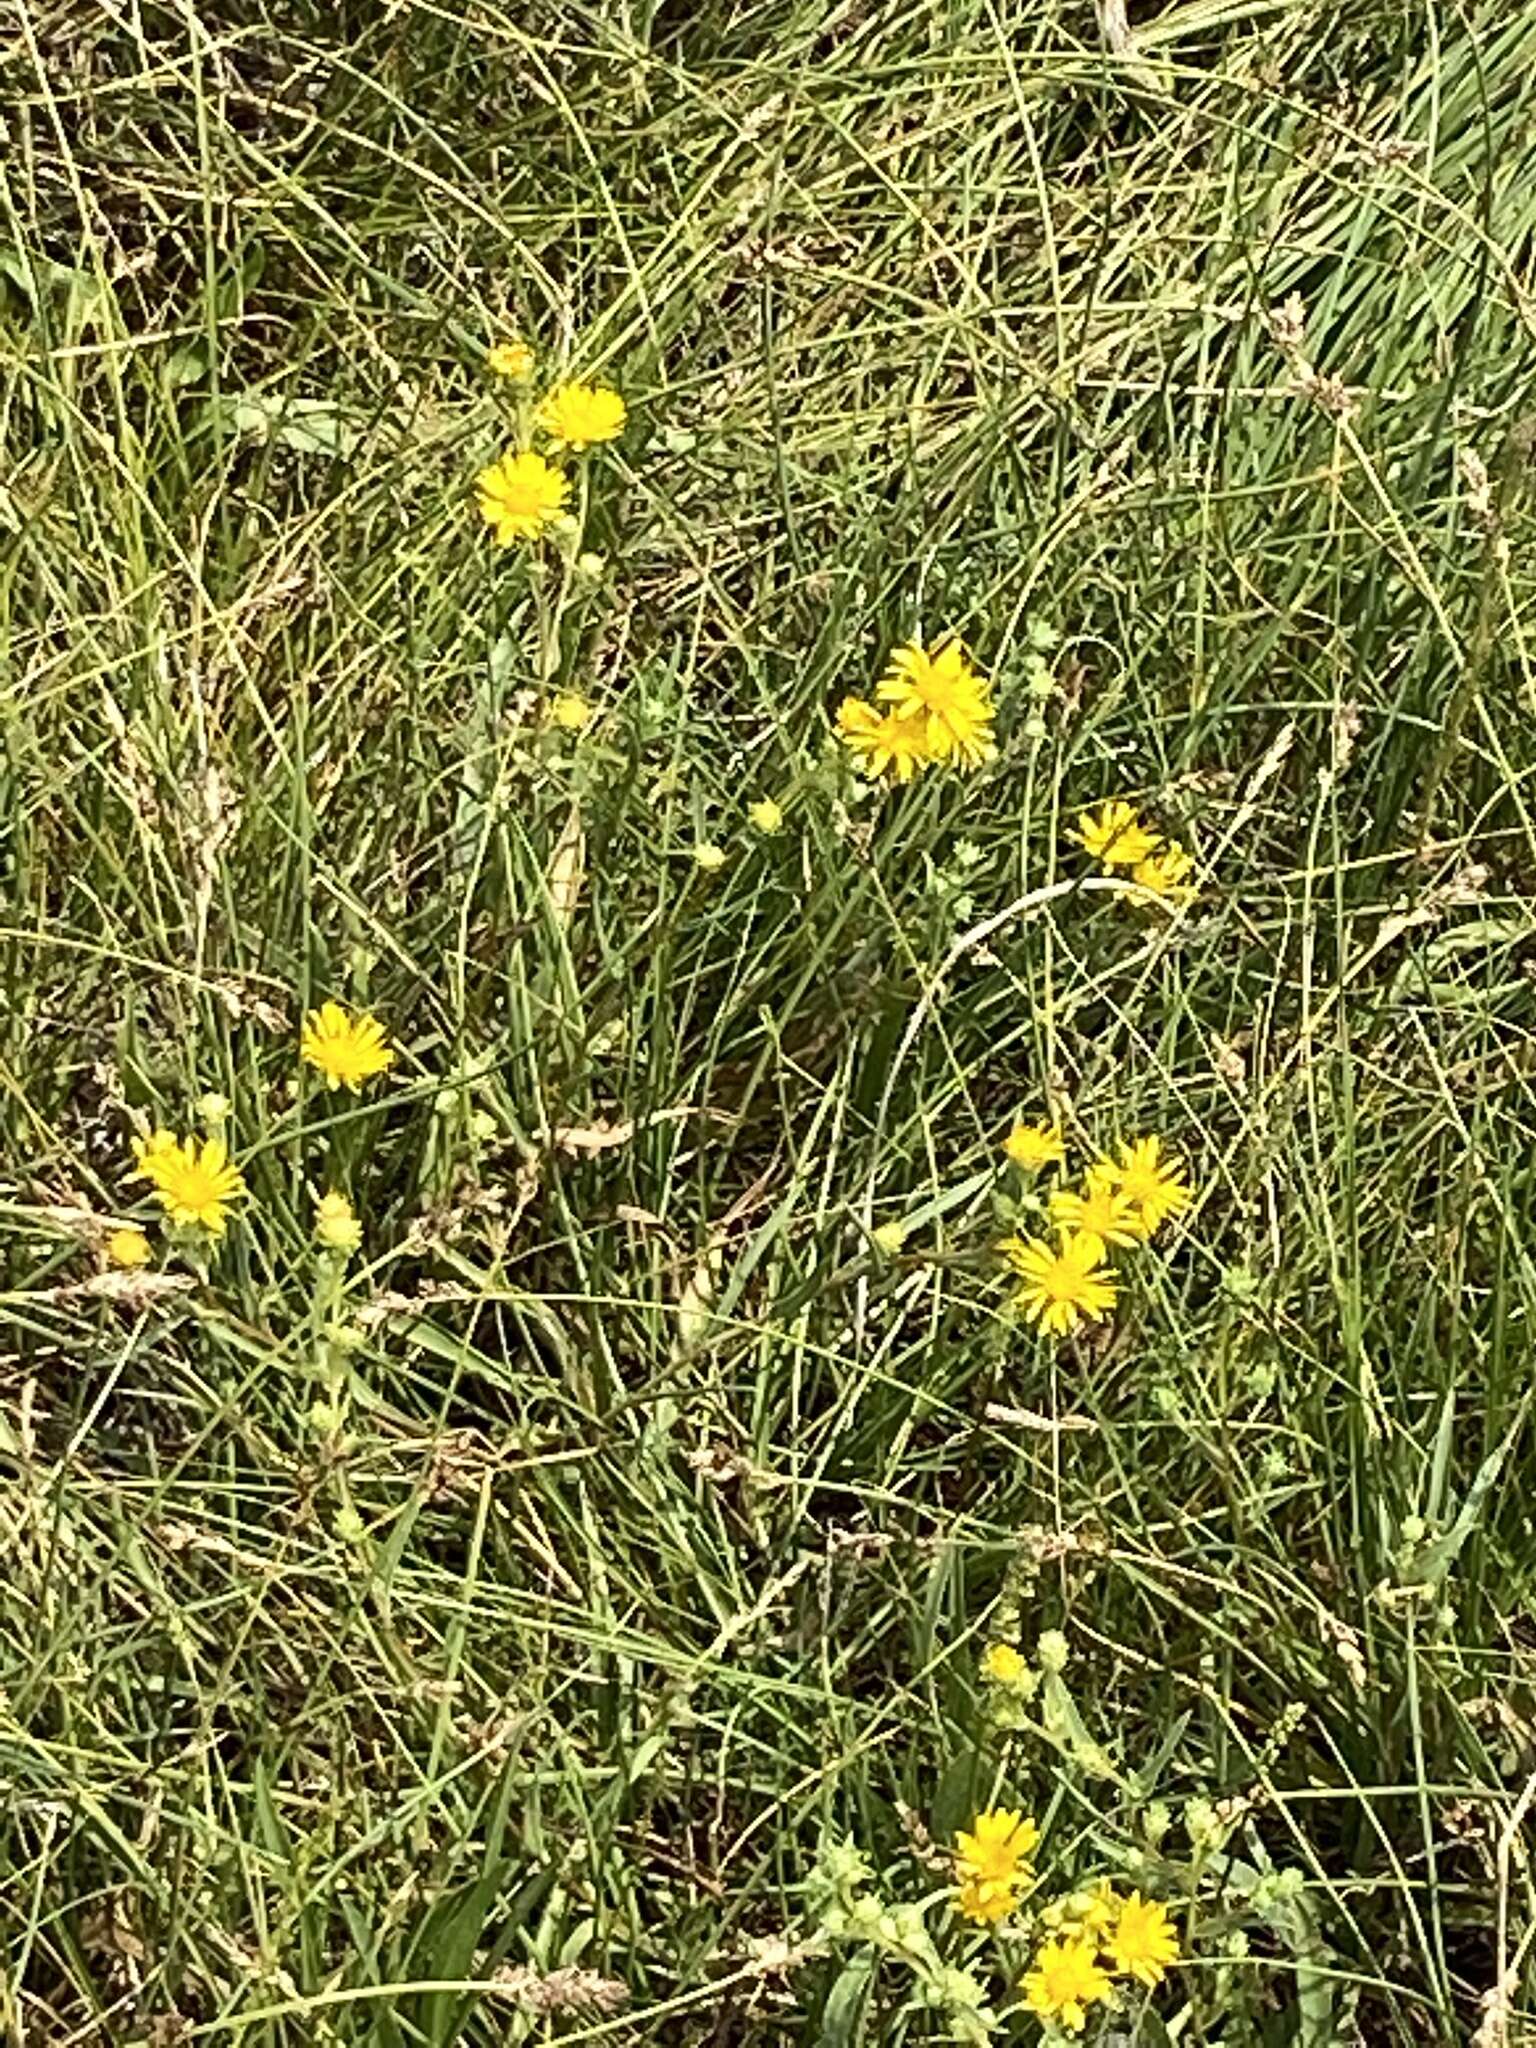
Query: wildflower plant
column 1050, row 1924
column 931, row 709
column 1067, row 1279
column 1118, row 838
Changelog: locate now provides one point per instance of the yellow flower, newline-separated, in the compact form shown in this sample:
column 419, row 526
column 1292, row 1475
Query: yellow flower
column 521, row 496
column 942, row 690
column 570, row 712
column 1115, row 835
column 889, row 1238
column 578, row 416
column 147, row 1150
column 1065, row 1981
column 1167, row 874
column 512, row 359
column 881, row 742
column 766, row 815
column 1034, row 1145
column 129, row 1249
column 336, row 1224
column 194, row 1182
column 985, row 1901
column 1142, row 1943
column 1100, row 1209
column 1062, row 1283
column 1002, row 1663
column 992, row 1861
column 1154, row 1186
column 709, row 857
column 347, row 1050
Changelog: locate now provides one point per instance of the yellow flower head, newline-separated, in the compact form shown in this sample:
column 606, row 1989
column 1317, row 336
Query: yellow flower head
column 1065, row 1981
column 889, row 1238
column 511, row 359
column 943, row 690
column 1034, row 1145
column 1154, row 1186
column 709, row 857
column 985, row 1900
column 347, row 1050
column 1115, row 836
column 578, row 416
column 1002, row 1663
column 193, row 1181
column 336, row 1224
column 992, row 1862
column 1142, row 1943
column 1167, row 874
column 766, row 816
column 570, row 712
column 1100, row 1209
column 883, row 743
column 1062, row 1283
column 996, row 1845
column 147, row 1150
column 521, row 496
column 128, row 1249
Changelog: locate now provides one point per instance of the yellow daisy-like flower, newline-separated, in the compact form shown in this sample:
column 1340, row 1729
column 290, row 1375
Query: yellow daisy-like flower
column 767, row 817
column 578, row 416
column 1034, row 1145
column 1154, row 1185
column 521, row 496
column 1062, row 1283
column 1115, row 836
column 347, row 1050
column 1101, row 1210
column 942, row 689
column 883, row 743
column 1002, row 1663
column 147, row 1150
column 336, row 1224
column 193, row 1181
column 992, row 1861
column 985, row 1901
column 1066, row 1980
column 570, row 712
column 1167, row 874
column 1142, row 1943
column 129, row 1249
column 511, row 359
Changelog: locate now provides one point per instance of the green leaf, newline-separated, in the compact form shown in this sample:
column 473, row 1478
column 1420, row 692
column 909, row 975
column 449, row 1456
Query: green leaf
column 842, row 2017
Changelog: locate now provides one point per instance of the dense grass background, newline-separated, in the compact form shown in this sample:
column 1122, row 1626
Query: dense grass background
column 670, row 1514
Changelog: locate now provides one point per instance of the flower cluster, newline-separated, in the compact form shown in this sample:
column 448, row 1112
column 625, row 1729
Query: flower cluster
column 195, row 1180
column 1091, row 1936
column 524, row 495
column 1123, row 1200
column 930, row 708
column 1115, row 836
column 1097, row 1936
